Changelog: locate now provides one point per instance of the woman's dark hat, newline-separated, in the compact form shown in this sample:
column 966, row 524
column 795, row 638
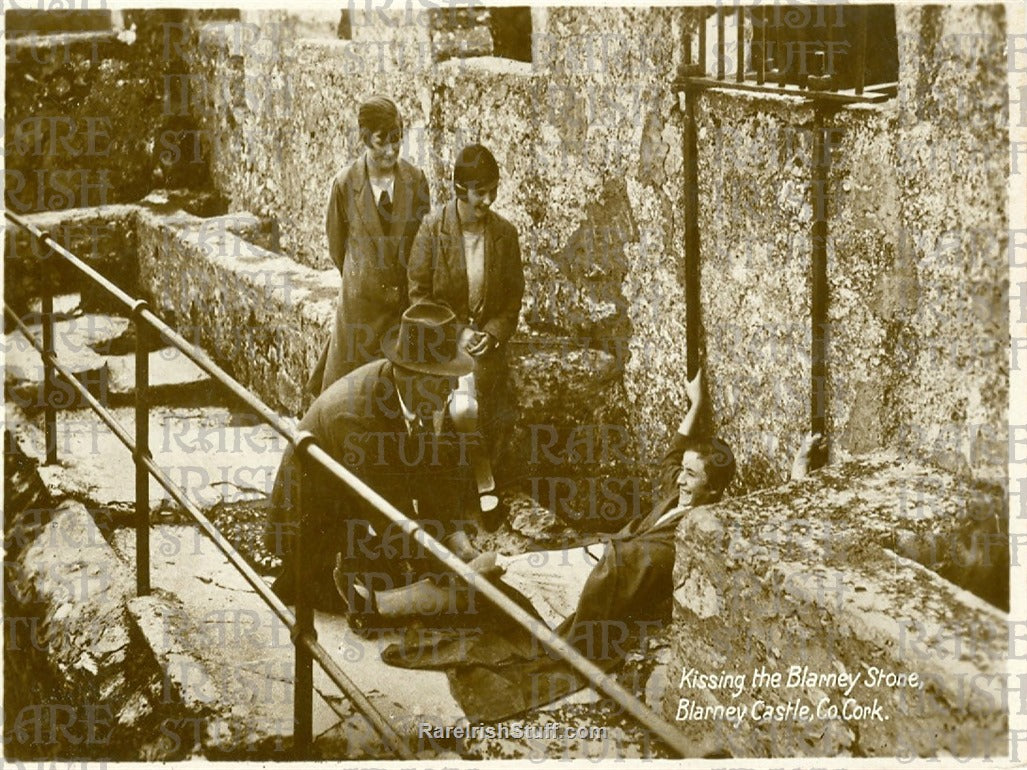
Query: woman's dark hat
column 427, row 341
column 475, row 167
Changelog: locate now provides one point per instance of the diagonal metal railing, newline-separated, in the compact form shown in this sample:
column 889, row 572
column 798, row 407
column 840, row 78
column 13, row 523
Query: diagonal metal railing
column 306, row 450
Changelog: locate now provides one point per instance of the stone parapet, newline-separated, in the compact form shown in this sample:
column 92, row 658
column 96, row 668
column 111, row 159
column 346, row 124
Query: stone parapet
column 65, row 599
column 265, row 317
column 812, row 582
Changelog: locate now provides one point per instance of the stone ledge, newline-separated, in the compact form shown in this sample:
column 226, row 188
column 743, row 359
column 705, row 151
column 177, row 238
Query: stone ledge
column 70, row 587
column 265, row 318
column 799, row 576
column 264, row 315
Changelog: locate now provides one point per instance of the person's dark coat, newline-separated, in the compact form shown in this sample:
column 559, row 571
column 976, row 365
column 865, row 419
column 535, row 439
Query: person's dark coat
column 359, row 422
column 373, row 261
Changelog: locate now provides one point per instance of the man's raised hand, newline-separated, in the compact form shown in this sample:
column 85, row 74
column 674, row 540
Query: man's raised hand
column 811, row 455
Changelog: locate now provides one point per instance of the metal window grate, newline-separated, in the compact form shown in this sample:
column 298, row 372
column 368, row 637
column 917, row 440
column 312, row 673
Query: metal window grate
column 835, row 53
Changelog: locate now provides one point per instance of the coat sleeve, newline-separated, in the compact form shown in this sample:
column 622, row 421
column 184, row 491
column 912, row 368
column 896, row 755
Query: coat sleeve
column 670, row 465
column 422, row 197
column 421, row 268
column 504, row 322
column 337, row 224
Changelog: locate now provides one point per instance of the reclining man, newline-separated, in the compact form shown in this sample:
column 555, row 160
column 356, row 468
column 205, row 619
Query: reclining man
column 389, row 422
column 624, row 593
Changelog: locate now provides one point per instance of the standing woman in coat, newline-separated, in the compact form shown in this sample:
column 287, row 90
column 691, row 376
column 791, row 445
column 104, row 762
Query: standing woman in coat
column 375, row 208
column 468, row 257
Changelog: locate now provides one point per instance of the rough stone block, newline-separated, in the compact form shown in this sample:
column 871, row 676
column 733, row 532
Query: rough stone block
column 103, row 237
column 805, row 580
column 260, row 314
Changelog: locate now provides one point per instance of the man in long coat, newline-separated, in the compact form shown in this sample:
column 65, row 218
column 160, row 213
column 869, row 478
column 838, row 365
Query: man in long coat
column 388, row 422
column 375, row 208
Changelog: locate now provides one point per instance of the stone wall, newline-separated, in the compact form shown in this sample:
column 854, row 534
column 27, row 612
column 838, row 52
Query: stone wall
column 85, row 113
column 67, row 118
column 916, row 258
column 825, row 577
column 260, row 315
column 589, row 135
column 277, row 110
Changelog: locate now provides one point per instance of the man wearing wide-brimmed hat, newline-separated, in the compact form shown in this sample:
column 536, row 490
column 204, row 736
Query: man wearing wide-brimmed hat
column 389, row 422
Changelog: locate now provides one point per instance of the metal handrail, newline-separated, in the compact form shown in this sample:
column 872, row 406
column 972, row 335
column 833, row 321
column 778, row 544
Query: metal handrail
column 305, row 449
column 348, row 687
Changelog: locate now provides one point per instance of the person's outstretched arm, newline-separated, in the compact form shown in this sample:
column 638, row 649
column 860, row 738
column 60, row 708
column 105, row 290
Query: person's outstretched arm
column 670, row 465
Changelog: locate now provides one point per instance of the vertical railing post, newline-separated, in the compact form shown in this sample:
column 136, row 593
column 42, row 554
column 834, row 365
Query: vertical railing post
column 740, row 44
column 761, row 63
column 46, row 289
column 782, row 55
column 818, row 277
column 861, row 48
column 703, row 18
column 693, row 342
column 142, row 450
column 720, row 42
column 303, row 689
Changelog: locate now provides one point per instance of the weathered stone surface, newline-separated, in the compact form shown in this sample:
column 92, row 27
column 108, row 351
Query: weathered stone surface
column 73, row 588
column 224, row 655
column 211, row 454
column 754, row 219
column 264, row 317
column 77, row 341
column 917, row 323
column 103, row 237
column 78, row 102
column 807, row 575
column 573, row 439
column 952, row 172
column 170, row 374
column 589, row 140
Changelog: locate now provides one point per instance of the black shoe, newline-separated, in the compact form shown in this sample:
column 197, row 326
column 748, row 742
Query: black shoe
column 357, row 600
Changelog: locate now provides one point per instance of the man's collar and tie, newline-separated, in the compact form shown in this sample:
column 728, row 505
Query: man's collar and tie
column 383, row 191
column 416, row 425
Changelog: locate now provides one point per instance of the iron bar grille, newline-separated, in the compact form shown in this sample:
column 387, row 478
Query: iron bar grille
column 836, row 53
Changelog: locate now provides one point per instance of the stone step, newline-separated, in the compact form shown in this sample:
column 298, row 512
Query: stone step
column 78, row 343
column 92, row 347
column 224, row 652
column 215, row 455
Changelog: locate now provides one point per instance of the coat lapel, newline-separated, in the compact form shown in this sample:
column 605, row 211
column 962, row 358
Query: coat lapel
column 453, row 243
column 403, row 204
column 367, row 209
column 493, row 244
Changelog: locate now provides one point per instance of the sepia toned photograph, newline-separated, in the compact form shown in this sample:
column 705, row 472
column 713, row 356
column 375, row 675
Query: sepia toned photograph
column 467, row 383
